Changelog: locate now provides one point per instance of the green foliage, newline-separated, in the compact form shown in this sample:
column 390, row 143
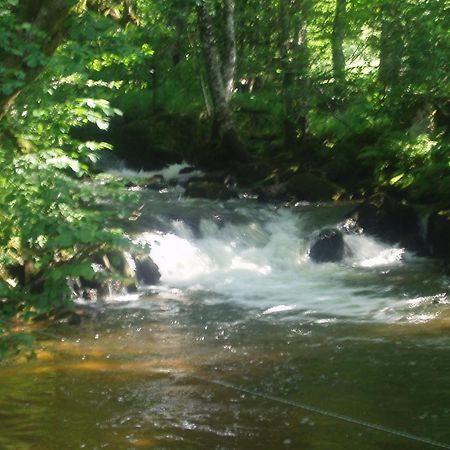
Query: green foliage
column 387, row 127
column 18, row 41
column 419, row 166
column 353, row 120
column 54, row 218
column 52, row 224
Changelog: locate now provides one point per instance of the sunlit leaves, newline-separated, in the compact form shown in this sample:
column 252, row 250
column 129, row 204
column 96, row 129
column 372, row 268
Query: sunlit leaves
column 55, row 224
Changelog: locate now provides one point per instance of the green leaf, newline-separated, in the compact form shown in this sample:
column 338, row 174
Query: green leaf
column 396, row 179
column 102, row 124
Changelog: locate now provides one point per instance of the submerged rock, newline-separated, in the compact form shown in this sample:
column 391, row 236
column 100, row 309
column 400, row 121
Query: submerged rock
column 75, row 316
column 328, row 246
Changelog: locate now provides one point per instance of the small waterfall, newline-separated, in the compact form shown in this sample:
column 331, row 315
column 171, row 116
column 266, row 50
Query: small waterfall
column 256, row 256
column 366, row 251
column 176, row 173
column 262, row 262
column 275, row 246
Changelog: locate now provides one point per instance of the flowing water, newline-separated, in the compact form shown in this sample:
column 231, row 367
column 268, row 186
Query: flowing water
column 245, row 344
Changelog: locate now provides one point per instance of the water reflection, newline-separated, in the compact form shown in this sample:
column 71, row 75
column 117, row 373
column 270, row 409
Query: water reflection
column 138, row 378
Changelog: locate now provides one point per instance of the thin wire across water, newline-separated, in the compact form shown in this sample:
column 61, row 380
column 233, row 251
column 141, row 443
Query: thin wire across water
column 323, row 412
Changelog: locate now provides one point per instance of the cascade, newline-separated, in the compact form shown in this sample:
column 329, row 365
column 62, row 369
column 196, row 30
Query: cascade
column 257, row 255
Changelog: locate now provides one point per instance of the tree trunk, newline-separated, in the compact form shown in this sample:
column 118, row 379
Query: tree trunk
column 391, row 45
column 230, row 58
column 129, row 13
column 221, row 68
column 295, row 66
column 337, row 42
column 288, row 75
column 303, row 73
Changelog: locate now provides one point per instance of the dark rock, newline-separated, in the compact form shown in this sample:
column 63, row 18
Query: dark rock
column 208, row 189
column 110, row 278
column 328, row 246
column 216, row 176
column 93, row 289
column 390, row 220
column 313, row 188
column 438, row 234
column 273, row 192
column 147, row 272
column 155, row 182
column 114, row 276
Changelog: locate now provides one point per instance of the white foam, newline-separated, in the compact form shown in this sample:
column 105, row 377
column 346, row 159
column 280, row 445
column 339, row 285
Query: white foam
column 367, row 252
column 169, row 173
column 264, row 264
column 278, row 309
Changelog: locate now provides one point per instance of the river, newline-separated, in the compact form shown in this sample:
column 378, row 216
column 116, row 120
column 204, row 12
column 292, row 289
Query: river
column 245, row 344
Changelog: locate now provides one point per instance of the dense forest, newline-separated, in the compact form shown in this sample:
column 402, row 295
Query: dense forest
column 292, row 99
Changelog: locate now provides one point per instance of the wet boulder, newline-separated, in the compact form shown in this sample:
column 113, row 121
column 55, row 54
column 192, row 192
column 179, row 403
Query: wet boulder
column 328, row 246
column 154, row 182
column 147, row 272
column 390, row 220
column 113, row 276
column 91, row 289
column 209, row 189
column 116, row 273
column 438, row 234
column 273, row 192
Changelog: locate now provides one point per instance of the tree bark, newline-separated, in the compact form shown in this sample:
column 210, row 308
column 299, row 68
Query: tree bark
column 230, row 58
column 129, row 13
column 221, row 69
column 337, row 42
column 215, row 67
